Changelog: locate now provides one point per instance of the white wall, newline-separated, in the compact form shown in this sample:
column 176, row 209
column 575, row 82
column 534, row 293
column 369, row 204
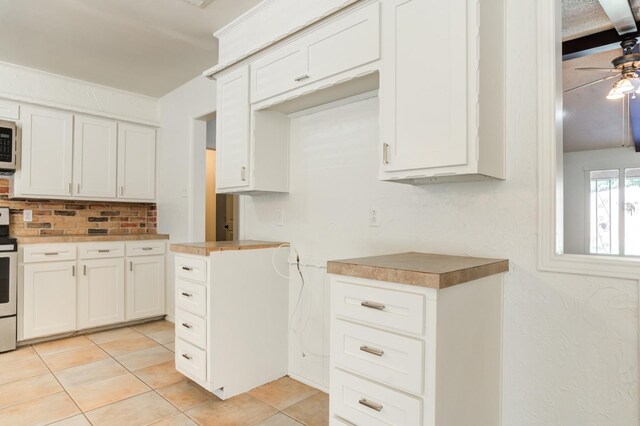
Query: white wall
column 182, row 165
column 576, row 166
column 42, row 88
column 570, row 342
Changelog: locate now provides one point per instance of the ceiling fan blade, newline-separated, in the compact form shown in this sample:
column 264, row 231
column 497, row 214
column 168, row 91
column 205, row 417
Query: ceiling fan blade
column 590, row 83
column 598, row 69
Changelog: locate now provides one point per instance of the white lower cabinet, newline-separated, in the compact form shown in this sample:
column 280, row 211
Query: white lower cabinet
column 68, row 287
column 231, row 319
column 406, row 355
column 145, row 287
column 48, row 298
column 100, row 292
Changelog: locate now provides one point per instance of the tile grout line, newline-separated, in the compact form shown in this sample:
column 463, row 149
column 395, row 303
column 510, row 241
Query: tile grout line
column 63, row 389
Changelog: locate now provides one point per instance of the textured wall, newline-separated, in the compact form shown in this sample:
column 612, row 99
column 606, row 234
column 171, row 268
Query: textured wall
column 51, row 217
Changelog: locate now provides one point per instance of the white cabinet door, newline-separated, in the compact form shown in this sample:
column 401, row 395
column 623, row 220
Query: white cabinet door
column 47, row 152
column 232, row 138
column 352, row 41
column 280, row 71
column 95, row 157
column 423, row 91
column 136, row 162
column 100, row 292
column 145, row 287
column 49, row 299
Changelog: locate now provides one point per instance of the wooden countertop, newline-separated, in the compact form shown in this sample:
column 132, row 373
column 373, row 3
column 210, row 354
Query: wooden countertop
column 419, row 269
column 46, row 239
column 204, row 249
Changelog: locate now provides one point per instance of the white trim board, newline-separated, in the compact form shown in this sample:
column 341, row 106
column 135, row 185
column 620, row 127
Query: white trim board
column 28, row 85
column 550, row 222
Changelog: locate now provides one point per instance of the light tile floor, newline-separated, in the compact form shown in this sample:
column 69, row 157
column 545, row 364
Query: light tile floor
column 127, row 377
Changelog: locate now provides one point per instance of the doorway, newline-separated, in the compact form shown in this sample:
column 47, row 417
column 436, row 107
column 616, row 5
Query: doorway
column 220, row 209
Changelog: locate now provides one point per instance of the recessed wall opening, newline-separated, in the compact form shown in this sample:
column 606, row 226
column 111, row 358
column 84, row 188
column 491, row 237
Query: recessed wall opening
column 220, row 209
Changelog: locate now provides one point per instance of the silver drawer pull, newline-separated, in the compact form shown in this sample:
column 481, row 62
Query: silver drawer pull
column 147, row 248
column 187, row 294
column 185, row 356
column 302, row 78
column 373, row 305
column 104, row 251
column 52, row 254
column 185, row 325
column 186, row 268
column 372, row 405
column 372, row 351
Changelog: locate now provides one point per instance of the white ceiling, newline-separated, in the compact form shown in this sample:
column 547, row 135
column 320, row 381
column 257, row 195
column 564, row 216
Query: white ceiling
column 143, row 46
column 584, row 17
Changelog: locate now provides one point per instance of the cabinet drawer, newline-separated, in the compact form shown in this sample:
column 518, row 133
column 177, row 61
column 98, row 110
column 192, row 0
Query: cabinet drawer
column 100, row 250
column 191, row 328
column 191, row 361
column 48, row 252
column 365, row 403
column 391, row 359
column 191, row 268
column 384, row 308
column 276, row 73
column 191, row 297
column 347, row 43
column 147, row 248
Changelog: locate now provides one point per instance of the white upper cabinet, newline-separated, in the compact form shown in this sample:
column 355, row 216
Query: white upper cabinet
column 136, row 162
column 437, row 110
column 333, row 48
column 95, row 157
column 47, row 152
column 232, row 130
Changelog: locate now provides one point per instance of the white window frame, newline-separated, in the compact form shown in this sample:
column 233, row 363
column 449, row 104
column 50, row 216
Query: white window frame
column 551, row 256
column 621, row 217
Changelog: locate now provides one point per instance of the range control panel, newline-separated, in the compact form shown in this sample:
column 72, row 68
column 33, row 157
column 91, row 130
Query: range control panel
column 8, row 131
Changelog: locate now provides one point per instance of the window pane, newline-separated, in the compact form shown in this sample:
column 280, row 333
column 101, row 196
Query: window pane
column 605, row 212
column 632, row 212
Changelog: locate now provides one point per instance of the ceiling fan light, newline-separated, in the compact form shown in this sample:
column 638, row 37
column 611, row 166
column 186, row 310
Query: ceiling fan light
column 613, row 94
column 624, row 86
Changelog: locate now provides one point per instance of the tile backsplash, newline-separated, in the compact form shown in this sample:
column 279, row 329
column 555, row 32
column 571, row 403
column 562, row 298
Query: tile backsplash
column 55, row 217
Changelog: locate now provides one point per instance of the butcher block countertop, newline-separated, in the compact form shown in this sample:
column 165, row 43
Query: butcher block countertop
column 420, row 269
column 204, row 249
column 97, row 238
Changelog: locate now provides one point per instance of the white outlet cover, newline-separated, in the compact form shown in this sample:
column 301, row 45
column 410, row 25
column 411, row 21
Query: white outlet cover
column 28, row 215
column 374, row 217
column 280, row 217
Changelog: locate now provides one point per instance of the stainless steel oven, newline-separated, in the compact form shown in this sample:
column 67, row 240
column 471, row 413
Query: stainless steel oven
column 8, row 285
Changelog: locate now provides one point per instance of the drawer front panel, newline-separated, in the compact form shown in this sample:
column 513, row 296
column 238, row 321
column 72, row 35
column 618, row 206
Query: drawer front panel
column 100, row 250
column 147, row 248
column 365, row 403
column 393, row 360
column 278, row 72
column 48, row 252
column 191, row 361
column 191, row 328
column 191, row 268
column 385, row 308
column 191, row 297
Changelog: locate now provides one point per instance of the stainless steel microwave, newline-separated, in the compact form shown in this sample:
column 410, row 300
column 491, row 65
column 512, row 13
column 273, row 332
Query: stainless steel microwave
column 8, row 145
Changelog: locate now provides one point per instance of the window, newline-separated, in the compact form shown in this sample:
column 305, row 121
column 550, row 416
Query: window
column 614, row 208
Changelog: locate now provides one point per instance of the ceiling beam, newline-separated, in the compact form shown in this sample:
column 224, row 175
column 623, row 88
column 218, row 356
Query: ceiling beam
column 620, row 15
column 591, row 44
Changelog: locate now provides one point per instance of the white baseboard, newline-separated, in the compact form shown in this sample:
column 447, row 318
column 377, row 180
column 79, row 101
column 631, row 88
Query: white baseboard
column 308, row 382
column 170, row 318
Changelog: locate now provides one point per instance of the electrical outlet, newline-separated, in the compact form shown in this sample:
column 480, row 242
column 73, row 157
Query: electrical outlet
column 374, row 218
column 27, row 216
column 280, row 217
